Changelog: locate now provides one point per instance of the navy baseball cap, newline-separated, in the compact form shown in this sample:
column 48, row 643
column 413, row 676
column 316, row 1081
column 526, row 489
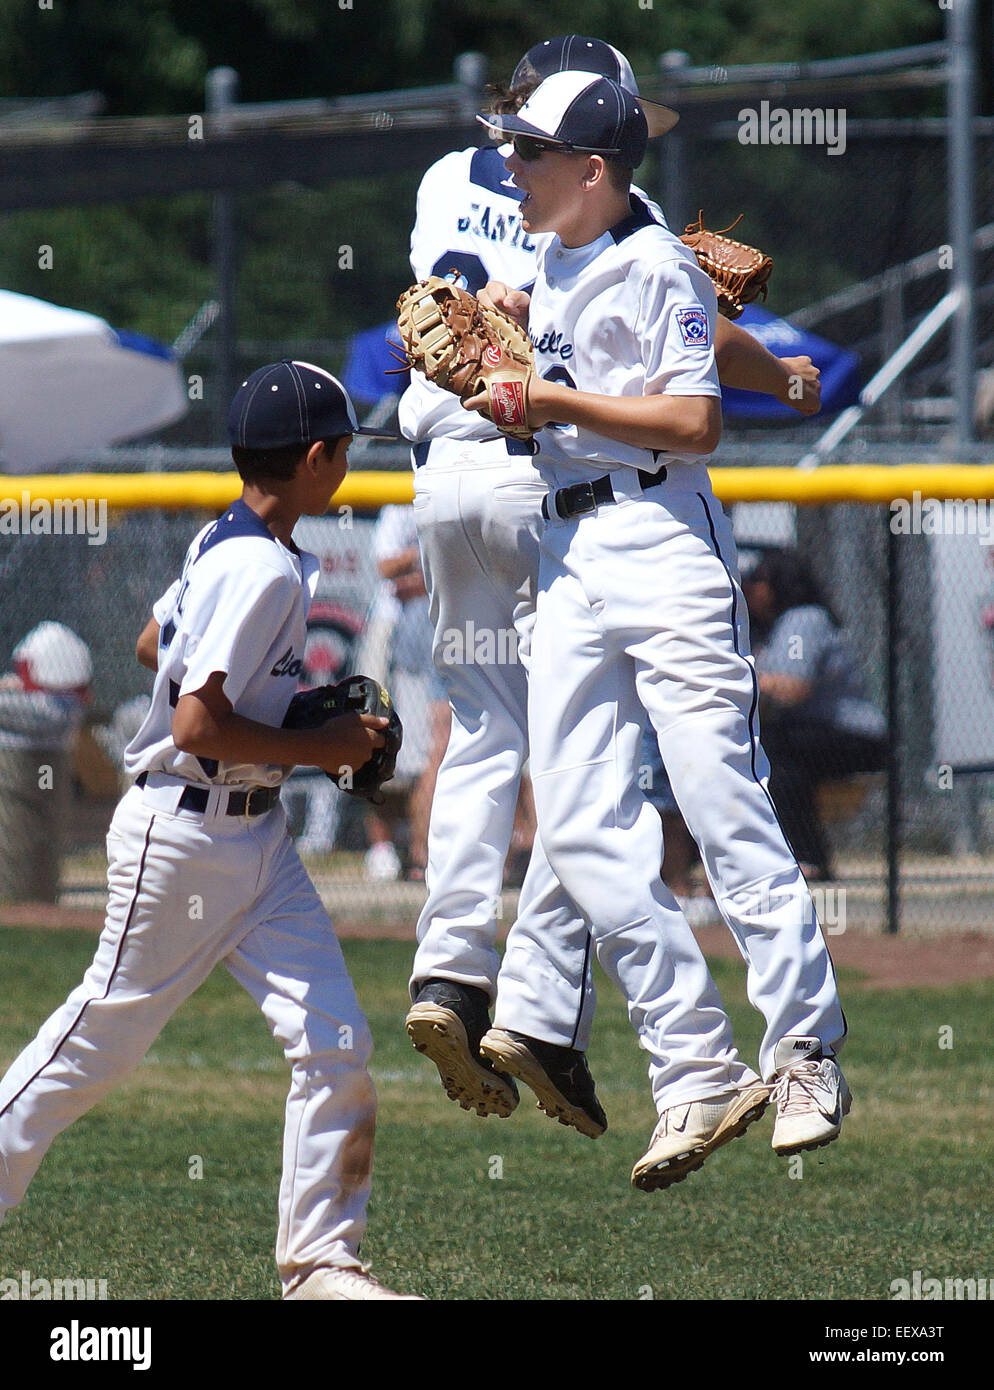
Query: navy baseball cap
column 581, row 112
column 577, row 53
column 289, row 403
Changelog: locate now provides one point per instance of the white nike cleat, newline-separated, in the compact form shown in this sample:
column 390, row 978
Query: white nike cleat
column 343, row 1283
column 811, row 1096
column 688, row 1134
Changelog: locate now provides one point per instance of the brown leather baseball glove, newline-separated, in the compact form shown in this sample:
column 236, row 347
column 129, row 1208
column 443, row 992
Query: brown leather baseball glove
column 465, row 347
column 739, row 272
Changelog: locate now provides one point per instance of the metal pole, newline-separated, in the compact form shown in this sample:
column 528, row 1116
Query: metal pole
column 673, row 156
column 221, row 96
column 893, row 828
column 892, row 333
column 881, row 381
column 962, row 101
column 470, row 71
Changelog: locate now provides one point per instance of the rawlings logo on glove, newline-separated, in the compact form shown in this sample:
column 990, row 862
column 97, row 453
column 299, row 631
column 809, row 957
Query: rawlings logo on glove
column 739, row 272
column 467, row 348
column 356, row 695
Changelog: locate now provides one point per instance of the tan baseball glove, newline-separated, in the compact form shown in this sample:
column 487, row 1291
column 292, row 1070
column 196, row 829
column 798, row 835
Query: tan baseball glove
column 739, row 272
column 466, row 347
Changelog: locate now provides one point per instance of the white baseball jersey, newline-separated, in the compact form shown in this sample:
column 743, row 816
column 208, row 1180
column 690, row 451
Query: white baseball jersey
column 629, row 314
column 468, row 204
column 238, row 587
column 468, row 221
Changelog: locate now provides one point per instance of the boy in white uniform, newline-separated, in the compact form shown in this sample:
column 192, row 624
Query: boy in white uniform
column 640, row 611
column 200, row 866
column 477, row 500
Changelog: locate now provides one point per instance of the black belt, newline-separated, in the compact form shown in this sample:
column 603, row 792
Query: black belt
column 513, row 446
column 580, row 498
column 251, row 803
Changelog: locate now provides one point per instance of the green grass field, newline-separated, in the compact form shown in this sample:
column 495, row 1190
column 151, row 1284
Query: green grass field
column 907, row 1187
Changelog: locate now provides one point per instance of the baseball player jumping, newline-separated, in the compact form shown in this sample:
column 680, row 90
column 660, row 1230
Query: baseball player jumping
column 201, row 868
column 640, row 611
column 477, row 502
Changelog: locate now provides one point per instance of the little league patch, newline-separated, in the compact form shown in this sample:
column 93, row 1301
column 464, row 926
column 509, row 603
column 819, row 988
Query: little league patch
column 693, row 327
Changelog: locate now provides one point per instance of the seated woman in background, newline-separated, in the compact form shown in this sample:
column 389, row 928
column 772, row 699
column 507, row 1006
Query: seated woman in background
column 816, row 723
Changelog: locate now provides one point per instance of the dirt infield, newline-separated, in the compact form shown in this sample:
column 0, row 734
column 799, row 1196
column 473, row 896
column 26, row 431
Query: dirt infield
column 893, row 962
column 886, row 962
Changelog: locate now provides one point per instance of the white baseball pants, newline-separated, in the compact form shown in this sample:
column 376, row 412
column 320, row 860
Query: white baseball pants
column 187, row 890
column 640, row 610
column 478, row 516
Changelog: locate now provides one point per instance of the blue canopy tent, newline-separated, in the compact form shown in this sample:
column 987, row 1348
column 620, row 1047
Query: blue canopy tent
column 840, row 370
column 369, row 360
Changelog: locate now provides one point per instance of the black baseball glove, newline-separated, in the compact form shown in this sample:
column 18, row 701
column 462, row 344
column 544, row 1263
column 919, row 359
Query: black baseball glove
column 355, row 695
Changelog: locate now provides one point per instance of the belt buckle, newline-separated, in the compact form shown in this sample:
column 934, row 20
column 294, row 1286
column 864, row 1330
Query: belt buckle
column 578, row 498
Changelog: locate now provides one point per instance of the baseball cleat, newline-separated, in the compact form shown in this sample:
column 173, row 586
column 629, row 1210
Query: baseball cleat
column 811, row 1096
column 558, row 1075
column 446, row 1023
column 350, row 1284
column 688, row 1134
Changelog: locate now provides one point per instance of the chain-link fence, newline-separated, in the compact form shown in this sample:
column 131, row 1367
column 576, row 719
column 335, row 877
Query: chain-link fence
column 912, row 660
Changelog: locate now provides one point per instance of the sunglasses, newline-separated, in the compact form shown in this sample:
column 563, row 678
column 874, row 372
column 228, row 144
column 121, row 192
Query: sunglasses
column 529, row 149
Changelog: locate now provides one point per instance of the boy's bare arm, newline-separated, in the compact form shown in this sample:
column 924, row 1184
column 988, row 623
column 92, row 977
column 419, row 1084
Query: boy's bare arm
column 743, row 362
column 147, row 646
column 402, row 563
column 672, row 424
column 205, row 725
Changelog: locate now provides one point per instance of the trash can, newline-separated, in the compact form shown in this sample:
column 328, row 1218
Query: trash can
column 34, row 795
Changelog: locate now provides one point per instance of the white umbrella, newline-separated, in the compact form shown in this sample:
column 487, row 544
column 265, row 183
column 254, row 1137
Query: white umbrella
column 70, row 383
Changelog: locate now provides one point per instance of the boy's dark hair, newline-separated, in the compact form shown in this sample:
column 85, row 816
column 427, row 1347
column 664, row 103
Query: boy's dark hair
column 508, row 101
column 619, row 175
column 276, row 465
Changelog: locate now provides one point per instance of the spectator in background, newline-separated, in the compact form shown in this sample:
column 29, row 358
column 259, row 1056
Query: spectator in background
column 417, row 692
column 43, row 703
column 816, row 723
column 46, row 695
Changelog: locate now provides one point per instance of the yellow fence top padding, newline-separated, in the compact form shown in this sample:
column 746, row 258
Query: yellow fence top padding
column 869, row 483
